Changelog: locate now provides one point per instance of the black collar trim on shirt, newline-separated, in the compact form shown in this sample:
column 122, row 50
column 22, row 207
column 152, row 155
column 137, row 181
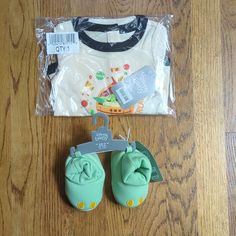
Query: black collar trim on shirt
column 138, row 25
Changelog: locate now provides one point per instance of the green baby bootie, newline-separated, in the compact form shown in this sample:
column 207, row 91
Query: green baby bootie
column 84, row 180
column 131, row 173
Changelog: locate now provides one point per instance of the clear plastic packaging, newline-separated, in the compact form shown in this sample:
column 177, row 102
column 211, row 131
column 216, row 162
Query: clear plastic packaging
column 111, row 65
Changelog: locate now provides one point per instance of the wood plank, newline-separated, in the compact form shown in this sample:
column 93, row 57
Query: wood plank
column 231, row 174
column 228, row 31
column 209, row 118
column 5, row 126
column 26, row 153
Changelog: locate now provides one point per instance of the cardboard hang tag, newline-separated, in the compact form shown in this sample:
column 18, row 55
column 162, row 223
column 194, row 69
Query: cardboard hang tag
column 135, row 87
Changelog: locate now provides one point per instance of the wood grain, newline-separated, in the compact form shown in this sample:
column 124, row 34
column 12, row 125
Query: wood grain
column 231, row 161
column 26, row 142
column 228, row 28
column 209, row 118
column 5, row 127
column 193, row 198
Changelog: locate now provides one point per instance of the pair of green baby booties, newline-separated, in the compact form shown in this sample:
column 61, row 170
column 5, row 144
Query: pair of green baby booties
column 84, row 178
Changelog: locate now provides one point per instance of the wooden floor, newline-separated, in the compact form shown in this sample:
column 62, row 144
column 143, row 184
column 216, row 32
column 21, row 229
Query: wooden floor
column 196, row 151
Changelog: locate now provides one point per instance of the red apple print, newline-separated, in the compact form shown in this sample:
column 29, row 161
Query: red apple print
column 126, row 66
column 84, row 103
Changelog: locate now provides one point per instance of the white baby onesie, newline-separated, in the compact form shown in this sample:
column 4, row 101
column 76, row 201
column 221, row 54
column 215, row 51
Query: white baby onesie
column 109, row 51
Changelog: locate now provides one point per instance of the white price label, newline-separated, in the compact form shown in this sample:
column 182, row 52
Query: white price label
column 62, row 43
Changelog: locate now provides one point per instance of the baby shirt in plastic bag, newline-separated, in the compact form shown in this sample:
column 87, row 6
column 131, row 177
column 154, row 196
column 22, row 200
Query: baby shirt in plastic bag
column 122, row 53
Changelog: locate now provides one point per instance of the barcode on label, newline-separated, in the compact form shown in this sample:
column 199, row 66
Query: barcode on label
column 61, row 39
column 124, row 95
column 61, row 43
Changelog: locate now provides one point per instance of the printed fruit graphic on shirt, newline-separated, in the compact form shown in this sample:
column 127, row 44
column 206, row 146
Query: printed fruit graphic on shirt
column 100, row 75
column 106, row 100
column 109, row 98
